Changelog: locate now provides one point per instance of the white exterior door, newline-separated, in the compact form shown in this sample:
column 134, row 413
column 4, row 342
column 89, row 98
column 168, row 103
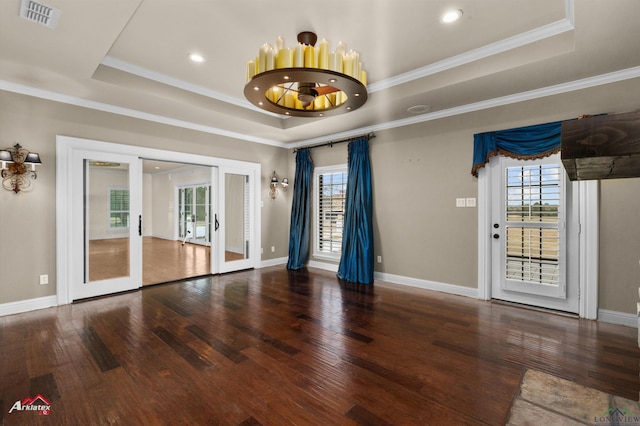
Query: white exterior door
column 535, row 233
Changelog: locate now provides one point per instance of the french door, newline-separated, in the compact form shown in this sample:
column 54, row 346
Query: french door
column 194, row 213
column 236, row 238
column 99, row 214
column 535, row 234
column 106, row 214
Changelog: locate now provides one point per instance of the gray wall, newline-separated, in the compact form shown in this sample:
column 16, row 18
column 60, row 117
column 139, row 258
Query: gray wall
column 27, row 220
column 418, row 171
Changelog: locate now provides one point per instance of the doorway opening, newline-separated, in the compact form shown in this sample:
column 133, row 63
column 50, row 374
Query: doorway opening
column 177, row 227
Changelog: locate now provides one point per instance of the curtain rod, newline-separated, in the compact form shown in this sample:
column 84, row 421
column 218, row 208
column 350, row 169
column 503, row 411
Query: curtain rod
column 370, row 135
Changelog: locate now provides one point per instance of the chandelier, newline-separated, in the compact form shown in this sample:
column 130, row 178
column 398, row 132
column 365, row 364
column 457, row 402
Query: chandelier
column 306, row 81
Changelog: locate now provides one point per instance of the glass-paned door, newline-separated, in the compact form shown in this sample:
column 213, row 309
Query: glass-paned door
column 534, row 223
column 236, row 220
column 107, row 211
column 194, row 213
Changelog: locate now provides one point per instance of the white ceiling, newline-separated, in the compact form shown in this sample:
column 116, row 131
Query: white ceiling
column 130, row 57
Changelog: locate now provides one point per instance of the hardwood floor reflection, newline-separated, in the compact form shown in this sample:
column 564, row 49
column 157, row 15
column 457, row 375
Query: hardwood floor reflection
column 166, row 260
column 108, row 258
column 162, row 260
column 275, row 347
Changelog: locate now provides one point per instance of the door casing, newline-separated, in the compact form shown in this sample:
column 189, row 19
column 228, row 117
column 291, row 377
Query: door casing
column 65, row 148
column 565, row 295
column 588, row 242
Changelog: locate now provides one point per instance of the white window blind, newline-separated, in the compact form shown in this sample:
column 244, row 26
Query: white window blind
column 330, row 195
column 533, row 220
column 118, row 208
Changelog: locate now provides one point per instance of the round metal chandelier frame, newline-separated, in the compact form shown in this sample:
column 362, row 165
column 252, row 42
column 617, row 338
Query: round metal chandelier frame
column 350, row 95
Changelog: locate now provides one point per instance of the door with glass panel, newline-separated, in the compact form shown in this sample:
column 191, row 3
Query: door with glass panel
column 237, row 220
column 107, row 224
column 194, row 212
column 535, row 234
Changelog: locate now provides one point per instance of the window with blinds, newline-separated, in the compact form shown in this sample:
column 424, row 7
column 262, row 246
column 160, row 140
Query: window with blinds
column 533, row 195
column 330, row 194
column 118, row 209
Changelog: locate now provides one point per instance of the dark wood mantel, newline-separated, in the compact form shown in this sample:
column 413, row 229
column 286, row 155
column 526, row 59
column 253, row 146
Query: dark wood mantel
column 602, row 147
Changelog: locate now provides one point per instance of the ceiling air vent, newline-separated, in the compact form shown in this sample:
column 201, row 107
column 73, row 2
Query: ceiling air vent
column 40, row 13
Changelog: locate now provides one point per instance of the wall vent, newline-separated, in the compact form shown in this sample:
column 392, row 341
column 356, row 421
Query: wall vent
column 39, row 12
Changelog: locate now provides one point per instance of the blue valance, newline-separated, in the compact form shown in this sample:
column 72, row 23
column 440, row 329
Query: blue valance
column 524, row 143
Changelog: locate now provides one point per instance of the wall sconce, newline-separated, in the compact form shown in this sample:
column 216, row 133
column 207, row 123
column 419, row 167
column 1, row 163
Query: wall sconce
column 273, row 185
column 16, row 176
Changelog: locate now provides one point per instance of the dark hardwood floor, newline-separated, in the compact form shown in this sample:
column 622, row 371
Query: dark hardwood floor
column 274, row 347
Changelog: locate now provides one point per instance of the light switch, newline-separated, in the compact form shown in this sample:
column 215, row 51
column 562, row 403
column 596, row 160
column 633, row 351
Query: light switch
column 471, row 202
column 460, row 202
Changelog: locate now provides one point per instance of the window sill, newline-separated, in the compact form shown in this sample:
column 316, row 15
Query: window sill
column 328, row 257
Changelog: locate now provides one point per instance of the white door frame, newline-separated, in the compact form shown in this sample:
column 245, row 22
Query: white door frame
column 233, row 265
column 589, row 192
column 81, row 287
column 65, row 147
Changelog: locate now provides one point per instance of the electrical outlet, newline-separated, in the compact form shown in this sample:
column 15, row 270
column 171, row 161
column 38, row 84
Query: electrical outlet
column 44, row 279
column 379, row 259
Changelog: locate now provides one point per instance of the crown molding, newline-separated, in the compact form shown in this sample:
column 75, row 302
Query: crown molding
column 501, row 46
column 128, row 112
column 148, row 74
column 519, row 40
column 585, row 83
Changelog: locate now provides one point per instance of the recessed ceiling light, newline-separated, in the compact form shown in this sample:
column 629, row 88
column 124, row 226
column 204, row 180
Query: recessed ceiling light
column 418, row 109
column 451, row 16
column 196, row 57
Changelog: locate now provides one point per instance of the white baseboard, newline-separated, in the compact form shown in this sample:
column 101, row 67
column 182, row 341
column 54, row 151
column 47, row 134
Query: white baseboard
column 428, row 285
column 163, row 237
column 273, row 262
column 620, row 318
column 612, row 317
column 412, row 282
column 331, row 267
column 28, row 305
